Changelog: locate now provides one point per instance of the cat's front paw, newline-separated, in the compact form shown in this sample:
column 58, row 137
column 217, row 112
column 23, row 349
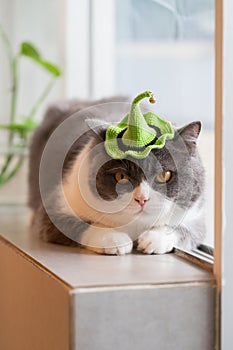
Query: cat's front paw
column 157, row 241
column 117, row 244
column 113, row 244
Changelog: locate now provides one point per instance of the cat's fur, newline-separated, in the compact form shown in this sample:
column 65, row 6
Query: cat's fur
column 88, row 206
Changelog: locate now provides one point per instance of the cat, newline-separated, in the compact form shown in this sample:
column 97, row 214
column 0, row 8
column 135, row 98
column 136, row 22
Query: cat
column 79, row 195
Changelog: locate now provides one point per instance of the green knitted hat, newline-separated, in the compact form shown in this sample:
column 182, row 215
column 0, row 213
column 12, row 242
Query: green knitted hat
column 137, row 134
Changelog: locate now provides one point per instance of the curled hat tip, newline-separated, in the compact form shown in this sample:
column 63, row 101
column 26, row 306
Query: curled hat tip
column 152, row 99
column 141, row 96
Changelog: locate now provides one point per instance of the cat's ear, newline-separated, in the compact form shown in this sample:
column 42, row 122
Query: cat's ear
column 98, row 126
column 190, row 133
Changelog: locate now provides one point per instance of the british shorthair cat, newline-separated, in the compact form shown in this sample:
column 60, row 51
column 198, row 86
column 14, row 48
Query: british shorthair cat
column 80, row 195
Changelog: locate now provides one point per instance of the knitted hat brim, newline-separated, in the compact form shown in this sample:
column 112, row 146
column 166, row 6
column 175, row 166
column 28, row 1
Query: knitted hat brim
column 113, row 132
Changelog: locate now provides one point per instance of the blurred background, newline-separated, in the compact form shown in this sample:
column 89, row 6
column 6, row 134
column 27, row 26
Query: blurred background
column 108, row 47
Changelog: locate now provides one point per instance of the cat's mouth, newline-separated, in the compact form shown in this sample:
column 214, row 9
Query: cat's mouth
column 139, row 211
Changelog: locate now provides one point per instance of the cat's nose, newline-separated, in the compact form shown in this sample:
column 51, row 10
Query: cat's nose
column 141, row 200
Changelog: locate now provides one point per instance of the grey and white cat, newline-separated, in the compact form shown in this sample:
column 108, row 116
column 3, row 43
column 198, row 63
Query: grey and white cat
column 107, row 205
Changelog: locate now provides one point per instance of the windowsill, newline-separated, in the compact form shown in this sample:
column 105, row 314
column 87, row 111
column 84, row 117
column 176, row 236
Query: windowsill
column 77, row 299
column 79, row 267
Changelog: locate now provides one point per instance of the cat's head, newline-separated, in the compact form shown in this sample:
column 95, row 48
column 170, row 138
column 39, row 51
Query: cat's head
column 150, row 191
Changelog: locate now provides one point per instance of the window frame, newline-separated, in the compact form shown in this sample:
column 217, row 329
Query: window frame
column 218, row 189
column 89, row 49
column 223, row 169
column 77, row 49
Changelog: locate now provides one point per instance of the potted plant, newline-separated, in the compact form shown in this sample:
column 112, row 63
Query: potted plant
column 15, row 133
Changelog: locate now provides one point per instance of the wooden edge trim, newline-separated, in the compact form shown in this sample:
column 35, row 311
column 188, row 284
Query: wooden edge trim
column 34, row 262
column 218, row 162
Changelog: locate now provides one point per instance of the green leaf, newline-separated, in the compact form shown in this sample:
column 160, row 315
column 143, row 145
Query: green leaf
column 13, row 127
column 28, row 125
column 29, row 50
column 50, row 67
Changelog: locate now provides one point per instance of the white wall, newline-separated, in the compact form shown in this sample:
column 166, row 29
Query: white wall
column 42, row 23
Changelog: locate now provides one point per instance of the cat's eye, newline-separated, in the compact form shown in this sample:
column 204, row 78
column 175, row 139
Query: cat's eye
column 121, row 178
column 164, row 176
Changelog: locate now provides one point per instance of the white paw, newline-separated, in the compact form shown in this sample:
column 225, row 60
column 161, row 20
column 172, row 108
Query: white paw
column 117, row 243
column 157, row 241
column 112, row 243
